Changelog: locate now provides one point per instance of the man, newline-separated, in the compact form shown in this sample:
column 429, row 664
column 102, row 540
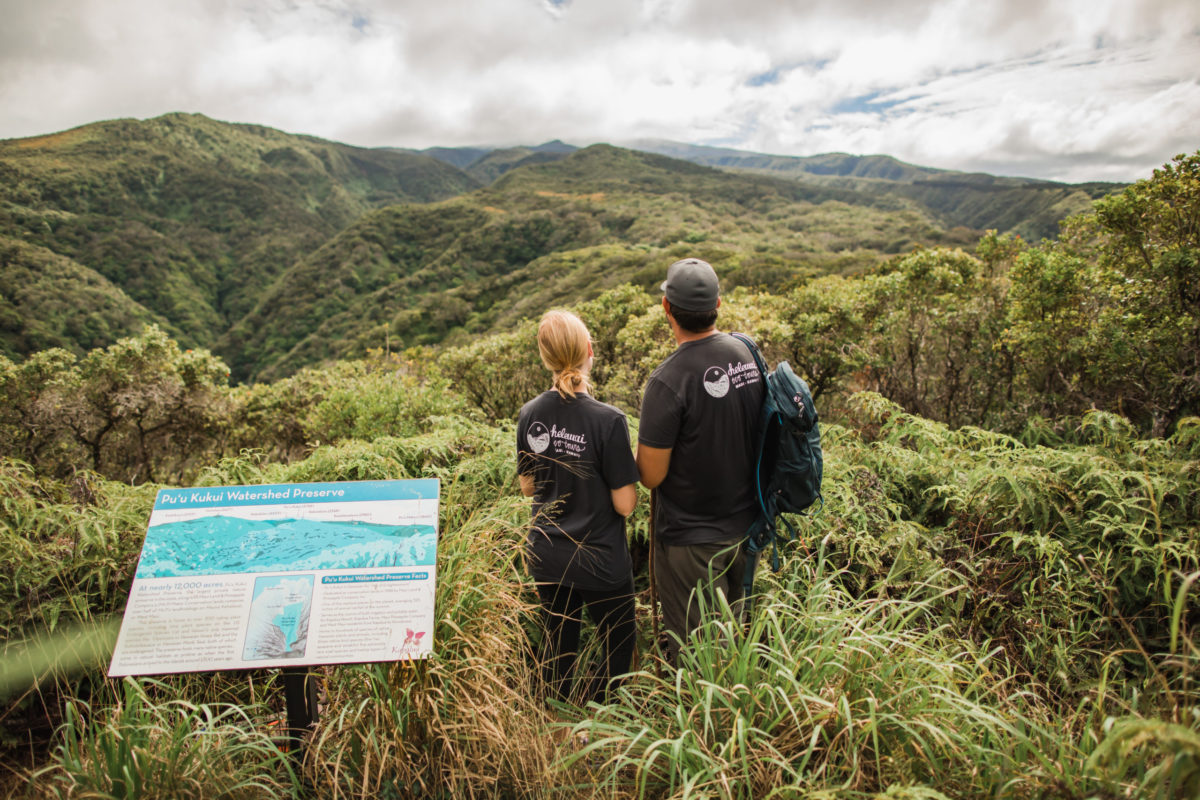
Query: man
column 696, row 442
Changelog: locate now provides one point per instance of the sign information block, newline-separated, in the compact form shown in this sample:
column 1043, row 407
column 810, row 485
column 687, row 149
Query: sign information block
column 235, row 577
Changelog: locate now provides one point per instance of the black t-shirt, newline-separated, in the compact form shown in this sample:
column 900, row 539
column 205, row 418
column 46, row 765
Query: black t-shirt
column 577, row 452
column 703, row 402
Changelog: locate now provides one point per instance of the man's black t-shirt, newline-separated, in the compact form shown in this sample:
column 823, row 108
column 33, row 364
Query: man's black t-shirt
column 577, row 452
column 703, row 402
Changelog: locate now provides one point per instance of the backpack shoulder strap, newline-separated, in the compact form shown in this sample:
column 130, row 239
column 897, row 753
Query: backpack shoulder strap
column 754, row 351
column 762, row 530
column 763, row 423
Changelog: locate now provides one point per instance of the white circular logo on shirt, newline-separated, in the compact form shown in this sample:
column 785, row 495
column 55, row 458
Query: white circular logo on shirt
column 538, row 437
column 716, row 382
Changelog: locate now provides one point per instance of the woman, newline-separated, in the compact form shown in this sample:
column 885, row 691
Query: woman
column 575, row 461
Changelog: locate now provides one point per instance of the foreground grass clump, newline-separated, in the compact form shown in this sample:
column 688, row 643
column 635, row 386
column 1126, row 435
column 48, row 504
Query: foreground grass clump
column 466, row 723
column 66, row 548
column 152, row 744
column 822, row 692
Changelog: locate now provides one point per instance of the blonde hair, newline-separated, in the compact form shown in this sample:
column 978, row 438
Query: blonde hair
column 563, row 342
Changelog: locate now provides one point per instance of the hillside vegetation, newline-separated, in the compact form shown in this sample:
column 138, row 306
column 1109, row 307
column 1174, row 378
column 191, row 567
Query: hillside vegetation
column 279, row 251
column 190, row 218
column 48, row 300
column 603, row 216
column 999, row 598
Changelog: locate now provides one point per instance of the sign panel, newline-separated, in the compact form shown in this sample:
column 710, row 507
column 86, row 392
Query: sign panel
column 234, row 577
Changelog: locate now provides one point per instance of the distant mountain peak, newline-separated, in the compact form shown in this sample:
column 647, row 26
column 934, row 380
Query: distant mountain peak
column 555, row 146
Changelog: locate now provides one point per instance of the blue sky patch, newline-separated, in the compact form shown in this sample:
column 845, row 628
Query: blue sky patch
column 764, row 78
column 864, row 104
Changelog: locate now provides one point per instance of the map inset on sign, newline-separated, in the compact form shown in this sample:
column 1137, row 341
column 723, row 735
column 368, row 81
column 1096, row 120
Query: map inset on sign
column 279, row 614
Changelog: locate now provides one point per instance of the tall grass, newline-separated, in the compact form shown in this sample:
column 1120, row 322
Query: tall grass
column 824, row 694
column 1069, row 554
column 464, row 723
column 164, row 746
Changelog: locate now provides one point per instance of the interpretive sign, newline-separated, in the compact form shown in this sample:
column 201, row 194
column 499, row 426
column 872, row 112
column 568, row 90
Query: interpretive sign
column 235, row 577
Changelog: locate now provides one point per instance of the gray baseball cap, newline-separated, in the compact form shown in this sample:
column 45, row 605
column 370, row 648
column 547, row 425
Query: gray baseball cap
column 691, row 285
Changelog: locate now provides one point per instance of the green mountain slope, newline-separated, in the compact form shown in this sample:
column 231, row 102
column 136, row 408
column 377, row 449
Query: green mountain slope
column 193, row 218
column 1031, row 209
column 557, row 233
column 836, row 165
column 1024, row 206
column 277, row 250
column 486, row 165
column 48, row 300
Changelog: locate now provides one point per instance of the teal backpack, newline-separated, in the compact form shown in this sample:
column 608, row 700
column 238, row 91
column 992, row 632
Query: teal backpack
column 787, row 475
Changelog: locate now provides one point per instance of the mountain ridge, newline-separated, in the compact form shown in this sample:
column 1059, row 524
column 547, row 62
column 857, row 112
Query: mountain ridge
column 277, row 250
column 1029, row 207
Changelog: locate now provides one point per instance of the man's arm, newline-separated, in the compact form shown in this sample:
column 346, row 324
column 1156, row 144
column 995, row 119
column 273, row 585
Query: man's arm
column 526, row 484
column 652, row 463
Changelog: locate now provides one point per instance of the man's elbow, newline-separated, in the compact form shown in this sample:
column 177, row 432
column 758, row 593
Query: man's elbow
column 652, row 464
column 649, row 479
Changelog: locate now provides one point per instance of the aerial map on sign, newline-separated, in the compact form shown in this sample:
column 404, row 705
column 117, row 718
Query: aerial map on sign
column 217, row 544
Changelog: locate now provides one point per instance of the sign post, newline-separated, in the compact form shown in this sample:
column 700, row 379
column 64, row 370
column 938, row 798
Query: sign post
column 300, row 698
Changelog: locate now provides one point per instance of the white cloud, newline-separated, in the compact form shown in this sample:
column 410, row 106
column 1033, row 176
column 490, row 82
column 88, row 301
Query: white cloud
column 1118, row 110
column 1076, row 89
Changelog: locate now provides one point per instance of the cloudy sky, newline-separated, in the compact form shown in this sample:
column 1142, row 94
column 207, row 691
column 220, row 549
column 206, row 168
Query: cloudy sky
column 1070, row 90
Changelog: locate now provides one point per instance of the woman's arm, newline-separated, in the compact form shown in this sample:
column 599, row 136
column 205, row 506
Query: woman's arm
column 526, row 484
column 624, row 499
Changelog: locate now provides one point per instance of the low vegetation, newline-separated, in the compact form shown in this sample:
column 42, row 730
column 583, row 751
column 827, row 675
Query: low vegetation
column 998, row 597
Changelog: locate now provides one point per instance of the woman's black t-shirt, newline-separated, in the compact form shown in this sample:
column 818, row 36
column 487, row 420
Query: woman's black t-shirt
column 577, row 452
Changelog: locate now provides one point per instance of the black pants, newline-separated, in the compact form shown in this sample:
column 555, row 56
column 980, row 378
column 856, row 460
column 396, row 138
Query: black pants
column 562, row 614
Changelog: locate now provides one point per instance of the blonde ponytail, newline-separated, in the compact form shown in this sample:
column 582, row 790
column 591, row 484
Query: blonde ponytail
column 563, row 344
